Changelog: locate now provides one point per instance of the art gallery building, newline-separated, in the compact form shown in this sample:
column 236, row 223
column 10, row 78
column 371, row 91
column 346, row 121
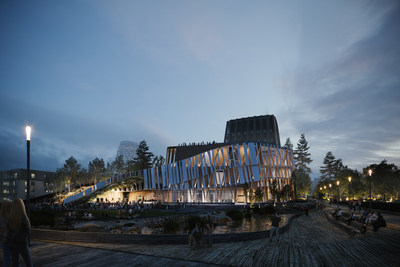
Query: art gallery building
column 250, row 157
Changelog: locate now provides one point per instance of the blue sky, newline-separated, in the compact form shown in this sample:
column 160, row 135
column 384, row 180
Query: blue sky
column 89, row 74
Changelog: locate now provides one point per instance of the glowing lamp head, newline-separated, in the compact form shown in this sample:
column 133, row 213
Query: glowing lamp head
column 324, row 186
column 337, row 182
column 330, row 185
column 320, row 188
column 28, row 131
column 370, row 172
column 349, row 179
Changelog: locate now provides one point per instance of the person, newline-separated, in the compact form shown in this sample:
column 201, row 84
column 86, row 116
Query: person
column 208, row 231
column 196, row 237
column 4, row 215
column 370, row 218
column 18, row 235
column 362, row 230
column 338, row 214
column 275, row 219
column 351, row 218
column 380, row 222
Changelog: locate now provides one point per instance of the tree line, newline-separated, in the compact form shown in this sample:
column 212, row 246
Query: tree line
column 383, row 178
column 75, row 175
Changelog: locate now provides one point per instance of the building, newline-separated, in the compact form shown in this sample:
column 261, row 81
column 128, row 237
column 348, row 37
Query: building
column 250, row 158
column 127, row 149
column 13, row 183
column 262, row 129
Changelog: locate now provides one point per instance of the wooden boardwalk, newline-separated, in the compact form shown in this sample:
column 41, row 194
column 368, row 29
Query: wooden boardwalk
column 310, row 241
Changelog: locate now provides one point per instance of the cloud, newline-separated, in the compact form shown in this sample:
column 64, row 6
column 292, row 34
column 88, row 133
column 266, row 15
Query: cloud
column 350, row 105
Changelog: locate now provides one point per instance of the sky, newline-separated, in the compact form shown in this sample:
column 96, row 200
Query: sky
column 89, row 74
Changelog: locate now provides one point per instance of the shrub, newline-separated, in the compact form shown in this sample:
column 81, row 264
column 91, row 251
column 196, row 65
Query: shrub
column 191, row 222
column 42, row 217
column 235, row 214
column 171, row 226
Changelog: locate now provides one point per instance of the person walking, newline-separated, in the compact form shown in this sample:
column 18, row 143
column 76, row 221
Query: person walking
column 275, row 219
column 4, row 215
column 19, row 229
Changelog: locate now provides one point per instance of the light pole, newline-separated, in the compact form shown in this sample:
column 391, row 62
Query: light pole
column 338, row 184
column 370, row 187
column 330, row 192
column 28, row 131
column 349, row 186
column 325, row 191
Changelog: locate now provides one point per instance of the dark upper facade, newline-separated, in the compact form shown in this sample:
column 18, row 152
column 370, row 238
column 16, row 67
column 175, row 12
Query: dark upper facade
column 253, row 129
column 259, row 129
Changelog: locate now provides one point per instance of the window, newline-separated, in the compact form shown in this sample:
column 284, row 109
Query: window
column 6, row 183
column 6, row 191
column 33, row 175
column 32, row 183
column 15, row 175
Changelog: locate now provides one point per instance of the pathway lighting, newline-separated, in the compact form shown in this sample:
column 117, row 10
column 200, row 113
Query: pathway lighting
column 349, row 186
column 28, row 131
column 370, row 187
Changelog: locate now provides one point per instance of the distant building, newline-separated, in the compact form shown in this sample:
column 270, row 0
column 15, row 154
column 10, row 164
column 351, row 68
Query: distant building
column 13, row 183
column 127, row 149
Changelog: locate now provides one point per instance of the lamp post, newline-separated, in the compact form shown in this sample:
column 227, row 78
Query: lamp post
column 349, row 186
column 330, row 192
column 338, row 184
column 28, row 131
column 370, row 187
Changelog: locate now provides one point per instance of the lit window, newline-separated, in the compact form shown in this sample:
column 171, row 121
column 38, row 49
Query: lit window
column 6, row 183
column 33, row 175
column 6, row 191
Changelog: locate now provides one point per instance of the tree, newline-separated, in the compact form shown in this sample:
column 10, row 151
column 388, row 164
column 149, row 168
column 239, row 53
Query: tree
column 144, row 158
column 288, row 143
column 71, row 171
column 158, row 161
column 118, row 165
column 96, row 169
column 328, row 169
column 245, row 191
column 303, row 182
column 258, row 195
column 301, row 155
column 385, row 179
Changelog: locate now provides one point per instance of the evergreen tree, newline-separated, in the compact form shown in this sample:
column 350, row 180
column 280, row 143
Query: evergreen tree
column 144, row 158
column 288, row 143
column 118, row 165
column 158, row 161
column 303, row 182
column 301, row 155
column 329, row 168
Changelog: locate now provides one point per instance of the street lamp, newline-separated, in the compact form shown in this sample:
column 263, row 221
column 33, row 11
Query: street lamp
column 28, row 131
column 370, row 186
column 349, row 186
column 338, row 183
column 330, row 191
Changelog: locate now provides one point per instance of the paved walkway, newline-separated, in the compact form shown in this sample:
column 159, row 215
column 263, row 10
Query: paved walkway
column 310, row 241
